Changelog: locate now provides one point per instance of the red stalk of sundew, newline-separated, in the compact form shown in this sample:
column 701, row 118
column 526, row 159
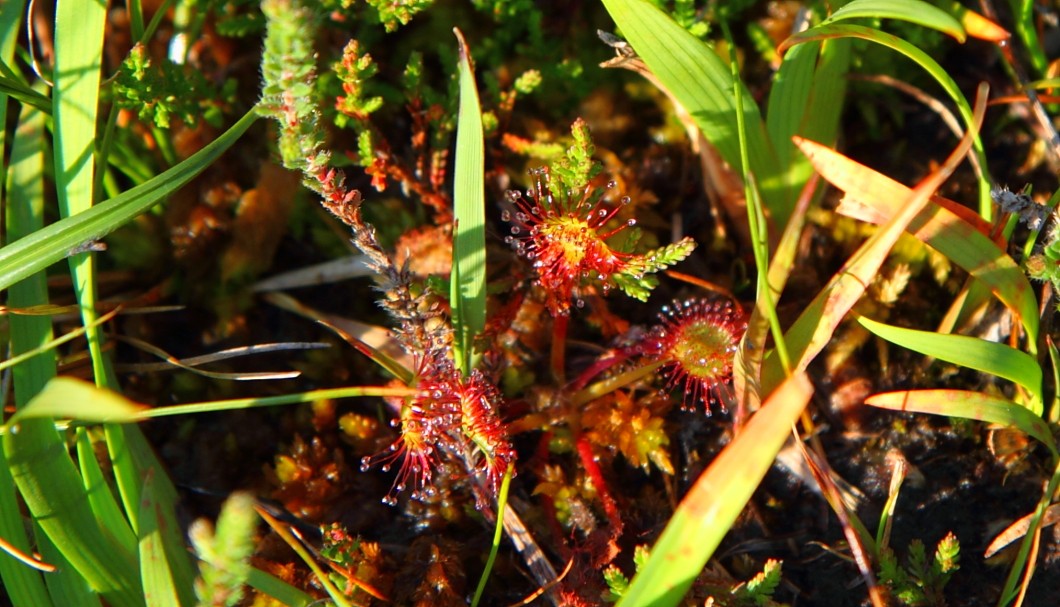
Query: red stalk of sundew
column 559, row 348
column 585, row 452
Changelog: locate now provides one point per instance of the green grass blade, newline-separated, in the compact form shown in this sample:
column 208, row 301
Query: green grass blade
column 468, row 297
column 42, row 248
column 712, row 504
column 832, row 31
column 79, row 30
column 913, row 11
column 972, row 352
column 19, row 91
column 278, row 589
column 159, row 586
column 68, row 398
column 702, row 82
column 969, row 405
column 814, row 327
column 100, row 498
column 66, row 587
column 53, row 492
column 25, row 213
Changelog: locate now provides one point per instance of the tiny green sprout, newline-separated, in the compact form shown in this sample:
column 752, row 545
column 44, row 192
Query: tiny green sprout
column 527, row 82
column 921, row 582
column 617, row 582
column 759, row 589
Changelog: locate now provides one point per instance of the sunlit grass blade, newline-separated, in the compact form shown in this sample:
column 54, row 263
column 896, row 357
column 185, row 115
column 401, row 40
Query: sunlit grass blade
column 100, row 497
column 66, row 586
column 468, row 283
column 39, row 249
column 747, row 366
column 814, row 327
column 159, row 586
column 976, row 25
column 321, row 575
column 811, row 72
column 278, row 589
column 979, row 354
column 24, row 214
column 51, row 487
column 79, row 31
column 711, row 506
column 913, row 11
column 969, row 405
column 958, row 234
column 100, row 405
column 69, row 398
column 830, row 31
column 702, row 82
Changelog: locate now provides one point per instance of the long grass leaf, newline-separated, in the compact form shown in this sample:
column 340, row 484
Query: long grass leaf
column 960, row 235
column 468, row 297
column 25, row 213
column 66, row 587
column 702, row 82
column 68, row 398
column 913, row 11
column 972, row 352
column 815, row 325
column 79, row 30
column 42, row 248
column 834, row 30
column 969, row 405
column 52, row 489
column 711, row 506
column 100, row 498
column 159, row 587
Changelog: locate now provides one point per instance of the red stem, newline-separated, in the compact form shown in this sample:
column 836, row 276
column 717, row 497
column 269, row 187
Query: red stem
column 585, row 451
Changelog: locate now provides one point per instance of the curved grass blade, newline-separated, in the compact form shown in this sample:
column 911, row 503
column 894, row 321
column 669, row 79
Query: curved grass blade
column 835, row 30
column 972, row 352
column 913, row 11
column 969, row 405
column 44, row 247
column 468, row 282
column 701, row 81
column 950, row 229
column 716, row 499
column 51, row 487
column 814, row 327
column 68, row 398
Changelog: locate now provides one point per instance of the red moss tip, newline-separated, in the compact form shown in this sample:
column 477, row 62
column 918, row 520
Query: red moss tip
column 697, row 339
column 565, row 238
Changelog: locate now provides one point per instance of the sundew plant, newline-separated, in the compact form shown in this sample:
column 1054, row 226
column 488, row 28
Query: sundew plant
column 510, row 303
